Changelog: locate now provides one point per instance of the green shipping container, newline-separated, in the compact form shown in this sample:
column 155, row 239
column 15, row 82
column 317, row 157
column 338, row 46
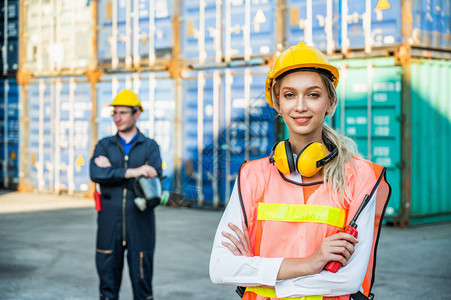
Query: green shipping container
column 369, row 111
column 431, row 141
column 400, row 118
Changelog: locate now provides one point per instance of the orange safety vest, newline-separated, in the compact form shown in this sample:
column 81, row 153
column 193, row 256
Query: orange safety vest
column 280, row 224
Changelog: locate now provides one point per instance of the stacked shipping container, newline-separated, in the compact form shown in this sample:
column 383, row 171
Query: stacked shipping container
column 57, row 49
column 9, row 94
column 135, row 44
column 350, row 25
column 57, row 37
column 59, row 145
column 225, row 122
column 134, row 33
column 199, row 68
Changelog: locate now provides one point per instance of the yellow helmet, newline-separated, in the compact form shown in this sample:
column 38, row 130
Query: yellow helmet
column 297, row 57
column 127, row 98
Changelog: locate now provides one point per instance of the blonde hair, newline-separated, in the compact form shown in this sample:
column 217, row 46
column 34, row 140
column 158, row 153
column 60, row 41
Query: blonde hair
column 335, row 171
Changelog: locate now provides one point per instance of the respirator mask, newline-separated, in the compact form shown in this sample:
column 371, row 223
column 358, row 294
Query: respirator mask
column 149, row 193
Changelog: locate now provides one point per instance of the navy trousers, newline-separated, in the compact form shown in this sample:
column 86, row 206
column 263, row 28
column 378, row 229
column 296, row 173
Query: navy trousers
column 110, row 263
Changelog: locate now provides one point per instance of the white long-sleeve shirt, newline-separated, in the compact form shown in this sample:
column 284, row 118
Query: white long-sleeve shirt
column 226, row 268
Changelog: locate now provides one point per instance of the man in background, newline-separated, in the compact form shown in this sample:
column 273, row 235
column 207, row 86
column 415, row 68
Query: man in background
column 117, row 161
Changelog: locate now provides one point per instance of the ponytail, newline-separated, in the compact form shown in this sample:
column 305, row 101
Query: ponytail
column 335, row 171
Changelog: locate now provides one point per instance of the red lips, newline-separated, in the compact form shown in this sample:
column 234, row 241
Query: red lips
column 302, row 120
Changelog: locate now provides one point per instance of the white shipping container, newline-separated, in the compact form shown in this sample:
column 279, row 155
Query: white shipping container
column 58, row 37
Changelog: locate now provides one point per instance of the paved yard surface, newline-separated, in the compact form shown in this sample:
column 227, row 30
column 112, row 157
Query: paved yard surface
column 47, row 252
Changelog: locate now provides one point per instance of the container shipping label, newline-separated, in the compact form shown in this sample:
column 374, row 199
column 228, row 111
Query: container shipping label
column 157, row 95
column 59, row 134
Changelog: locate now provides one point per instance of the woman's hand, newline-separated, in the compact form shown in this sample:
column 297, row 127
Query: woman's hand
column 338, row 247
column 240, row 246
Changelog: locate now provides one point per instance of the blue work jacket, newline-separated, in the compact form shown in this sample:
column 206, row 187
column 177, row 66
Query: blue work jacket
column 119, row 216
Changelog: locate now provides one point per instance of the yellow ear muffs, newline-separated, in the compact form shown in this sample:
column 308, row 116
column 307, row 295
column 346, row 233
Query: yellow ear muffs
column 308, row 158
column 283, row 157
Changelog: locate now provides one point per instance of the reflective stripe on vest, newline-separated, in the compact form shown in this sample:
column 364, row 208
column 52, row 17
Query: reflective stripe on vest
column 271, row 293
column 301, row 213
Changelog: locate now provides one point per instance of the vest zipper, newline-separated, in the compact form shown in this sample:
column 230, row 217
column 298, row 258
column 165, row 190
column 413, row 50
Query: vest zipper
column 141, row 268
column 124, row 200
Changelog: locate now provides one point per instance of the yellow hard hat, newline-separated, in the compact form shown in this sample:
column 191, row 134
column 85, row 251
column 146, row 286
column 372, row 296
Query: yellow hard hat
column 127, row 98
column 299, row 57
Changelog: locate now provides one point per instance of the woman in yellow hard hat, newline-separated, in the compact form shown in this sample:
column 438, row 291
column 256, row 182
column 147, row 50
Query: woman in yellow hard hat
column 283, row 222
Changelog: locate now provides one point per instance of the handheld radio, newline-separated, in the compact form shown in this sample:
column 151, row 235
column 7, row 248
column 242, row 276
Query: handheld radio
column 333, row 266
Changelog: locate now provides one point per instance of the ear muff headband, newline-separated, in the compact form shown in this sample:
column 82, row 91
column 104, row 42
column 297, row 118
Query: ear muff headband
column 290, row 158
column 327, row 159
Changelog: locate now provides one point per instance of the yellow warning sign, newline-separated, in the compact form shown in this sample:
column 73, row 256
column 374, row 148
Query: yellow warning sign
column 12, row 155
column 383, row 4
column 80, row 161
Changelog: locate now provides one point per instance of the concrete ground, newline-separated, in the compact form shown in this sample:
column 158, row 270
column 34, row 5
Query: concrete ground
column 47, row 248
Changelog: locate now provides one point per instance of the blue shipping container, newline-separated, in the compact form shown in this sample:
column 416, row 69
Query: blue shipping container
column 9, row 37
column 249, row 28
column 431, row 23
column 225, row 121
column 157, row 94
column 59, row 140
column 212, row 33
column 201, row 31
column 9, row 133
column 133, row 31
column 332, row 25
column 200, row 131
column 314, row 23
